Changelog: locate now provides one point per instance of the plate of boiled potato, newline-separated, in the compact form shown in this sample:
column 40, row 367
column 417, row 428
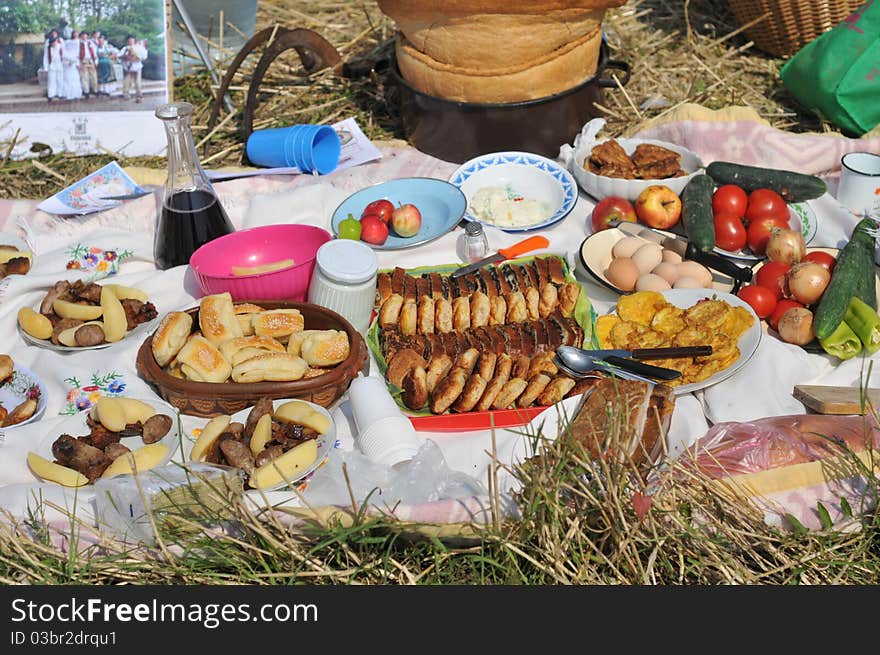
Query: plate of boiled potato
column 275, row 443
column 625, row 264
column 81, row 315
column 115, row 436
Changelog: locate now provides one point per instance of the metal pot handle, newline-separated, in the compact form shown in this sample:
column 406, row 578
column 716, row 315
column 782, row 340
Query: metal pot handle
column 623, row 66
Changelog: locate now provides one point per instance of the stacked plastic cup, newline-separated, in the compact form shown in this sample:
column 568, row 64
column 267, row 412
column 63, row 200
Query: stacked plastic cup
column 310, row 148
column 385, row 435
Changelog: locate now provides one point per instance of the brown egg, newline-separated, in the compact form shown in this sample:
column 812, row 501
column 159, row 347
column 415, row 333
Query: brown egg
column 651, row 282
column 685, row 282
column 696, row 271
column 627, row 247
column 647, row 257
column 671, row 256
column 623, row 273
column 668, row 271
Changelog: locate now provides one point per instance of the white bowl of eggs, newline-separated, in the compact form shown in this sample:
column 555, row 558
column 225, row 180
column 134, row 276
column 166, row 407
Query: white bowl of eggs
column 626, row 263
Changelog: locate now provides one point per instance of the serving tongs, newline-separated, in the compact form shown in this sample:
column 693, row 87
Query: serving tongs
column 580, row 363
column 687, row 250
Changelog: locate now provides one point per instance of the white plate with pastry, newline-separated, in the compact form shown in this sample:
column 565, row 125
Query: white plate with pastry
column 75, row 316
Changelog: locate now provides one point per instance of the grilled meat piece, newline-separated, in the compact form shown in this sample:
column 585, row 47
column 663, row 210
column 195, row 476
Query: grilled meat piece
column 58, row 292
column 78, row 455
column 137, row 312
column 261, row 407
column 238, row 454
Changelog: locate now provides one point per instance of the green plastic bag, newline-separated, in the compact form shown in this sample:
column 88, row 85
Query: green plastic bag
column 838, row 74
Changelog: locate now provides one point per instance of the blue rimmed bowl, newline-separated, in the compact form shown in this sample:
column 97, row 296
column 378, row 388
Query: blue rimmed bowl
column 520, row 175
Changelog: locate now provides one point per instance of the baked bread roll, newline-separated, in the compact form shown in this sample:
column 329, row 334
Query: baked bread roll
column 557, row 71
column 325, row 348
column 480, row 307
column 426, row 315
column 295, row 341
column 200, row 360
column 169, row 337
column 556, row 390
column 247, row 308
column 389, row 312
column 461, row 314
column 533, row 299
column 448, row 390
column 486, row 365
column 408, row 320
column 509, row 393
column 238, row 344
column 442, row 316
column 438, row 368
column 568, row 296
column 271, row 367
column 245, row 323
column 534, row 388
column 480, row 33
column 503, row 367
column 278, row 323
column 217, row 318
column 497, row 310
column 516, row 307
column 415, row 388
column 549, row 300
column 467, row 360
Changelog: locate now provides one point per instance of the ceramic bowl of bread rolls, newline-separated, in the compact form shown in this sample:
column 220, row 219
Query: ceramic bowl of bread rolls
column 222, row 356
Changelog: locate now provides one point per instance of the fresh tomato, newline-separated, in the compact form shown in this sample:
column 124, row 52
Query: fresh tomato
column 772, row 276
column 822, row 258
column 381, row 208
column 730, row 199
column 758, row 233
column 730, row 233
column 761, row 299
column 781, row 307
column 764, row 203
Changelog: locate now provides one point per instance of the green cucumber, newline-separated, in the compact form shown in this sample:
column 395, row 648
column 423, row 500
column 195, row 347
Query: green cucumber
column 847, row 280
column 794, row 187
column 696, row 212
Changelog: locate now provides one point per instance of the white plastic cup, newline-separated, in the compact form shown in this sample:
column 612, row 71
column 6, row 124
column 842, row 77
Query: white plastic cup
column 859, row 181
column 385, row 435
column 370, row 401
column 389, row 441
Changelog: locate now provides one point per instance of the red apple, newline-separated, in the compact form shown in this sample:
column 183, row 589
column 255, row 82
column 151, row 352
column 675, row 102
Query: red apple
column 406, row 220
column 381, row 208
column 612, row 208
column 658, row 206
column 373, row 230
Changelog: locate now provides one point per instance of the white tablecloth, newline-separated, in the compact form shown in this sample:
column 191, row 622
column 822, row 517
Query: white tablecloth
column 762, row 388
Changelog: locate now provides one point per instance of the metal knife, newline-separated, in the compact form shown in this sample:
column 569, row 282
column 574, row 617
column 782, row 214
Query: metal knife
column 526, row 245
column 740, row 274
column 640, row 368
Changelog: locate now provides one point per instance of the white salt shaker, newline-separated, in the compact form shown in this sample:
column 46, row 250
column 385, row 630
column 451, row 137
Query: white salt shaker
column 345, row 280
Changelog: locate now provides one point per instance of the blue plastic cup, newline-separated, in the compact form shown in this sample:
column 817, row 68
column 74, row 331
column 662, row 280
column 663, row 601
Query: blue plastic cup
column 318, row 149
column 272, row 148
column 308, row 147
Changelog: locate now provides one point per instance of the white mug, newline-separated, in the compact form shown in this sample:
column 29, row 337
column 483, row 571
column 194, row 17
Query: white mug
column 859, row 188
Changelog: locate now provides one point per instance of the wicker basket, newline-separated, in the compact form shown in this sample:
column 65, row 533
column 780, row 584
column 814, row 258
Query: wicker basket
column 789, row 24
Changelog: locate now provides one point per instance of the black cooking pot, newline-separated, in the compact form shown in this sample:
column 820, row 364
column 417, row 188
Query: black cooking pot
column 458, row 131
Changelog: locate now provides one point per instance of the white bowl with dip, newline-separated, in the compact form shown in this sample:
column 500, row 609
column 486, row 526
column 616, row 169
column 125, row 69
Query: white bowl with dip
column 515, row 191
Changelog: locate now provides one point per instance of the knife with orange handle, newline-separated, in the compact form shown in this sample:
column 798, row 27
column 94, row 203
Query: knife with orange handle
column 517, row 249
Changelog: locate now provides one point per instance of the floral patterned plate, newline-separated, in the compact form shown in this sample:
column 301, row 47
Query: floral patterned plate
column 23, row 385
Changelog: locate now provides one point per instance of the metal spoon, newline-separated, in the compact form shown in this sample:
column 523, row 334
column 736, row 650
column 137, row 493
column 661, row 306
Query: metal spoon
column 578, row 359
column 583, row 373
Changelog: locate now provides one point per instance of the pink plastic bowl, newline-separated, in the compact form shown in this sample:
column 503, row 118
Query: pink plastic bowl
column 213, row 262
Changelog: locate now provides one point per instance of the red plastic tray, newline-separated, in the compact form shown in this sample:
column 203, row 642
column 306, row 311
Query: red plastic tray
column 500, row 418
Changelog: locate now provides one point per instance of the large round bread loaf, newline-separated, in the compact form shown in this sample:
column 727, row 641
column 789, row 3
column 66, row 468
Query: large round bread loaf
column 552, row 73
column 496, row 40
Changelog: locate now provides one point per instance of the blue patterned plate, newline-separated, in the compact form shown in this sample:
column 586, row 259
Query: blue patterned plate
column 520, row 176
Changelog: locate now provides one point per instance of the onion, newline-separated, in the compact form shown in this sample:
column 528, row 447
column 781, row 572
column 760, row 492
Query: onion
column 796, row 326
column 785, row 246
column 807, row 282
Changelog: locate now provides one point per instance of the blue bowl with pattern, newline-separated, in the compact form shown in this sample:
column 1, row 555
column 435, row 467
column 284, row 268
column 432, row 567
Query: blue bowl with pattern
column 516, row 191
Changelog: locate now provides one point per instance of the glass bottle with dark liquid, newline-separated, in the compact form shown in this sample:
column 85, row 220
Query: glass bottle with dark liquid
column 191, row 213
